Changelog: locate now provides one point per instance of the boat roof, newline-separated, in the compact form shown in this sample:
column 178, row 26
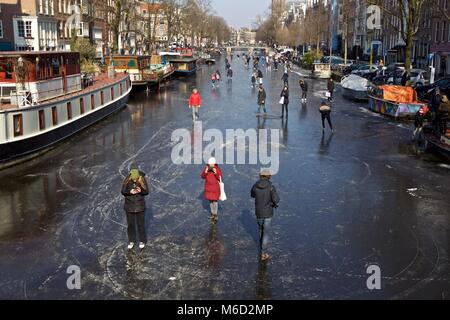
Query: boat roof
column 170, row 54
column 183, row 59
column 33, row 53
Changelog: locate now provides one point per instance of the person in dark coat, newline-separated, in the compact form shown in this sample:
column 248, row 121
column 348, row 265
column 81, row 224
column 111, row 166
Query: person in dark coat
column 262, row 100
column 330, row 88
column 135, row 188
column 212, row 176
column 325, row 111
column 304, row 87
column 266, row 199
column 230, row 75
column 285, row 79
column 285, row 95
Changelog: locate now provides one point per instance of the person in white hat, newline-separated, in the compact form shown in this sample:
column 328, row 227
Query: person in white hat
column 212, row 176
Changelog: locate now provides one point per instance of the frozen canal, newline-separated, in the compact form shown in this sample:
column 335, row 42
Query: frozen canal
column 357, row 198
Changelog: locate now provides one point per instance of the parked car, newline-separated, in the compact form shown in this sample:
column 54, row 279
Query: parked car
column 365, row 69
column 417, row 77
column 348, row 70
column 425, row 92
column 398, row 77
column 334, row 60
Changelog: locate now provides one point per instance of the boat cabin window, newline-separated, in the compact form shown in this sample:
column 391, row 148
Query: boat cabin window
column 18, row 125
column 41, row 120
column 112, row 93
column 121, row 89
column 81, row 106
column 92, row 102
column 55, row 116
column 55, row 67
column 102, row 98
column 69, row 110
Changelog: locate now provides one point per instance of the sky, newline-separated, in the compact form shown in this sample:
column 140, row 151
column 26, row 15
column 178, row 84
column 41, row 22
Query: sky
column 240, row 13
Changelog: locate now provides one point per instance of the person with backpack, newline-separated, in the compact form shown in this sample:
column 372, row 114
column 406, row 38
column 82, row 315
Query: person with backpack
column 134, row 189
column 325, row 111
column 212, row 176
column 262, row 100
column 266, row 199
column 284, row 101
column 195, row 101
column 304, row 86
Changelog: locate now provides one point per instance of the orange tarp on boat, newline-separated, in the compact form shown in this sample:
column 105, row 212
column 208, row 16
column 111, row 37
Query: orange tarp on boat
column 399, row 94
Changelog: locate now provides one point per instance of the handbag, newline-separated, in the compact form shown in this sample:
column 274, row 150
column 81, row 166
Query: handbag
column 282, row 100
column 328, row 94
column 223, row 195
column 324, row 108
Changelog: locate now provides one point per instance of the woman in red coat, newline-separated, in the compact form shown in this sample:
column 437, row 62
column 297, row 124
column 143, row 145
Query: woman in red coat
column 212, row 175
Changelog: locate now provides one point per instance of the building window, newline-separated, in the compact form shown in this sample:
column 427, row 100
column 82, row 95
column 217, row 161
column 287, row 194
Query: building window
column 112, row 93
column 21, row 28
column 18, row 125
column 28, row 29
column 41, row 120
column 102, row 98
column 55, row 116
column 92, row 102
column 1, row 29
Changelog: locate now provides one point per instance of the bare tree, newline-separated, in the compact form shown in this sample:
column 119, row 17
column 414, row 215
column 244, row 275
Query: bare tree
column 409, row 13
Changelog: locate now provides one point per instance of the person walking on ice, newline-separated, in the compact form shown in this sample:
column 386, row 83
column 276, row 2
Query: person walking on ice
column 284, row 101
column 325, row 111
column 266, row 199
column 304, row 87
column 195, row 102
column 212, row 176
column 262, row 100
column 134, row 189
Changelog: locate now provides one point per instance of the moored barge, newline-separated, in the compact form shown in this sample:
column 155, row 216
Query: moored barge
column 51, row 103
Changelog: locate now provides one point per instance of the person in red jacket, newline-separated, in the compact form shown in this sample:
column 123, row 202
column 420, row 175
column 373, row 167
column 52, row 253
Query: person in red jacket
column 212, row 176
column 195, row 102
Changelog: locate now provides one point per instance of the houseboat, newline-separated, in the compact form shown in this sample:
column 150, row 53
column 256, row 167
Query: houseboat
column 160, row 69
column 394, row 101
column 136, row 66
column 183, row 61
column 50, row 102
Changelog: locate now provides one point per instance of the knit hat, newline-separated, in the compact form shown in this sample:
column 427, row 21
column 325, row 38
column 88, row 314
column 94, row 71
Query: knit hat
column 134, row 174
column 212, row 161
